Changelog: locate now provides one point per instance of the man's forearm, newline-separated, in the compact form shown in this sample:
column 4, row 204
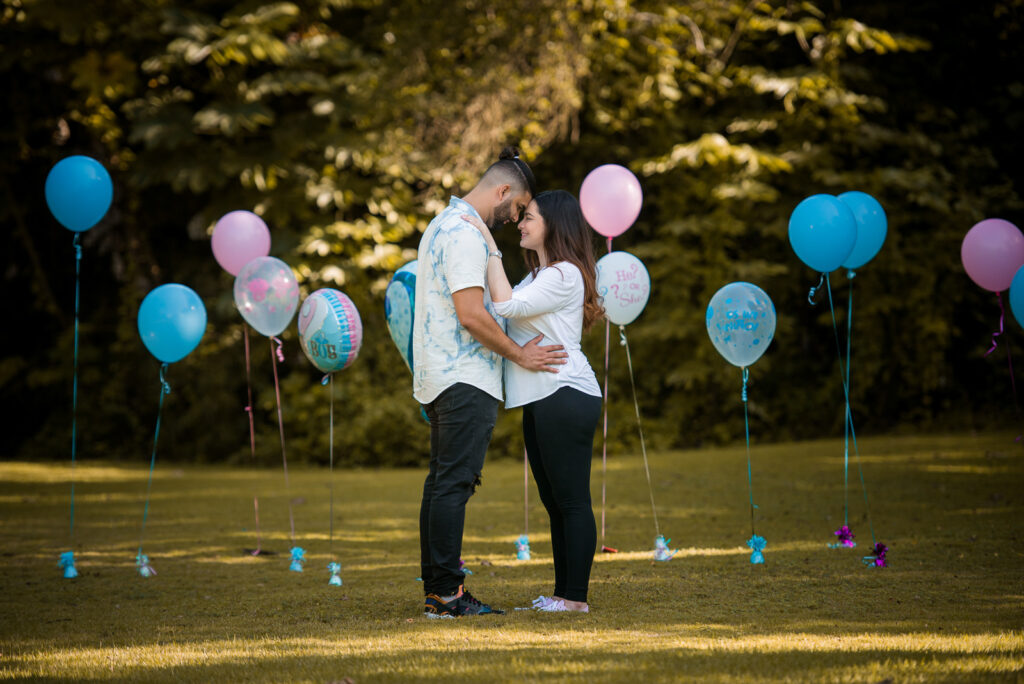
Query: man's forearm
column 487, row 332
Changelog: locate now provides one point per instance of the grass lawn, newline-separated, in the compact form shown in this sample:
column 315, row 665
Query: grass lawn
column 949, row 608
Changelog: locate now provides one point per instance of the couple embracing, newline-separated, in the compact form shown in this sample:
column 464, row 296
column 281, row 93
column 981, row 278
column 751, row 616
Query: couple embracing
column 463, row 300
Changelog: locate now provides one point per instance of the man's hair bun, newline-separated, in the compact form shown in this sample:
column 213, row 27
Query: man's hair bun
column 510, row 152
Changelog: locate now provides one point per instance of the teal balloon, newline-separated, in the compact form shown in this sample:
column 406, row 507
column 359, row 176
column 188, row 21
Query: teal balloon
column 400, row 307
column 1017, row 296
column 741, row 322
column 330, row 330
column 872, row 226
column 78, row 192
column 822, row 232
column 172, row 320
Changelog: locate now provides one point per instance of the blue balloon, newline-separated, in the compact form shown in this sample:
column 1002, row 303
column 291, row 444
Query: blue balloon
column 78, row 192
column 400, row 307
column 330, row 330
column 1017, row 296
column 822, row 231
column 872, row 226
column 741, row 322
column 172, row 320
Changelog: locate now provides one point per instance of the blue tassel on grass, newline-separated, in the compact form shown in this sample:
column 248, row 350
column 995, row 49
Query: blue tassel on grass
column 661, row 550
column 67, row 561
column 142, row 563
column 757, row 544
column 523, row 547
column 335, row 569
column 298, row 559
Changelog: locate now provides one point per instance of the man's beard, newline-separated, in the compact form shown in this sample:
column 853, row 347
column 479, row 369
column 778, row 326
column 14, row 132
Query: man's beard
column 502, row 214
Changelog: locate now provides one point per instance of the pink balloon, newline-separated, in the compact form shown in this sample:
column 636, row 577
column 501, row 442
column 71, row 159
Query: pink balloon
column 610, row 198
column 992, row 251
column 238, row 238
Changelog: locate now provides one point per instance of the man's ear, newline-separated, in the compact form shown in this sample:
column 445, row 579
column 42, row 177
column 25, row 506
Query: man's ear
column 504, row 190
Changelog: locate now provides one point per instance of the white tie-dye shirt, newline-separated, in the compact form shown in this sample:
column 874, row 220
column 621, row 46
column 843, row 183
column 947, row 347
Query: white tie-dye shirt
column 452, row 257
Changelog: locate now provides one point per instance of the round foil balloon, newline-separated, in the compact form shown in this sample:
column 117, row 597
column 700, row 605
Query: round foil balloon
column 172, row 320
column 741, row 322
column 330, row 330
column 623, row 285
column 399, row 307
column 267, row 295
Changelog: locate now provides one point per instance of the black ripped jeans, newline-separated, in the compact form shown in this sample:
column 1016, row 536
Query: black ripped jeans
column 461, row 422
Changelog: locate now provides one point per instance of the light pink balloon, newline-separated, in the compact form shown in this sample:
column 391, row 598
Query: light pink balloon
column 610, row 198
column 238, row 238
column 992, row 251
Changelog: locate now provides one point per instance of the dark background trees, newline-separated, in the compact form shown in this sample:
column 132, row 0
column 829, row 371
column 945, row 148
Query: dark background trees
column 346, row 124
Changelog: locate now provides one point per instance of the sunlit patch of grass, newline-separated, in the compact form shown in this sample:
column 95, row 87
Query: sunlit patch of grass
column 949, row 608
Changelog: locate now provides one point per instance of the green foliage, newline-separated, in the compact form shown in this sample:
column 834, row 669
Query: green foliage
column 347, row 124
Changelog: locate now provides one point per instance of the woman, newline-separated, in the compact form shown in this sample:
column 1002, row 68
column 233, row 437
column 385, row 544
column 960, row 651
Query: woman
column 557, row 299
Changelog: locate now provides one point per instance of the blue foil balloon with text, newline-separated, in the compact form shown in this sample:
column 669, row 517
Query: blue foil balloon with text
column 399, row 307
column 330, row 330
column 822, row 232
column 741, row 322
column 172, row 320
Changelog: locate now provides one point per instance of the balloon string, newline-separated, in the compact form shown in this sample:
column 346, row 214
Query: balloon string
column 74, row 383
column 846, row 422
column 643, row 447
column 1002, row 313
column 164, row 390
column 280, row 351
column 604, row 439
column 849, row 415
column 252, row 435
column 329, row 378
column 280, row 423
column 814, row 290
column 604, row 434
column 1009, row 358
column 526, row 495
column 746, row 431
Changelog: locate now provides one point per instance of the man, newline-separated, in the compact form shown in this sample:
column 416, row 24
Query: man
column 458, row 346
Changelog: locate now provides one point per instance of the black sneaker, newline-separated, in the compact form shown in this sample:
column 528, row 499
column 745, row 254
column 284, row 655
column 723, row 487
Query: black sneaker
column 435, row 607
column 464, row 604
column 471, row 606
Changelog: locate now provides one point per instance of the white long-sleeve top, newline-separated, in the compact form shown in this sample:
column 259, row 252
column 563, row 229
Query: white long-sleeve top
column 550, row 304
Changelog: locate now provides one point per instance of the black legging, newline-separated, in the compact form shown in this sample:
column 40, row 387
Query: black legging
column 559, row 434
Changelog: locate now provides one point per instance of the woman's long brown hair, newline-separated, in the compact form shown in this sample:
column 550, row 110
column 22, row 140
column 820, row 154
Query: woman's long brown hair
column 567, row 237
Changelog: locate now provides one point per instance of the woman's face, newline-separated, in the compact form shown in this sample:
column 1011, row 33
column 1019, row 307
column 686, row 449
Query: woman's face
column 532, row 229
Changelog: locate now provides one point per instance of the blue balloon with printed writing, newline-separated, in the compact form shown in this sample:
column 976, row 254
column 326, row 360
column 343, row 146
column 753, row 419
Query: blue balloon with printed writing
column 872, row 226
column 78, row 192
column 741, row 322
column 822, row 232
column 330, row 330
column 400, row 307
column 172, row 320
